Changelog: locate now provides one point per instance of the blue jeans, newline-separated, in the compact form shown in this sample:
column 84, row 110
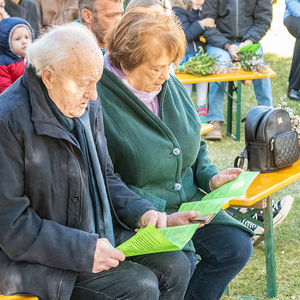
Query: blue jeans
column 153, row 276
column 262, row 88
column 224, row 251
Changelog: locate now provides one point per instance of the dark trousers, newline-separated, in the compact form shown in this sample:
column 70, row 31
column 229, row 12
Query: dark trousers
column 224, row 251
column 145, row 277
column 293, row 25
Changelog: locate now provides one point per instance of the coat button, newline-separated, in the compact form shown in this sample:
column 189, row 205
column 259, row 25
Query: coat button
column 75, row 198
column 177, row 186
column 176, row 151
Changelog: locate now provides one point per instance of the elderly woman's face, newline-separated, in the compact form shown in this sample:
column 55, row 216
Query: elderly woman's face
column 150, row 75
column 71, row 90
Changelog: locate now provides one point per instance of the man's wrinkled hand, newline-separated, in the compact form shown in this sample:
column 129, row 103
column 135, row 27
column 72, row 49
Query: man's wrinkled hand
column 156, row 218
column 106, row 256
column 232, row 49
column 224, row 177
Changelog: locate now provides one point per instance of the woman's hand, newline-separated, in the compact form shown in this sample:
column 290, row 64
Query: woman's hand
column 208, row 22
column 182, row 218
column 224, row 177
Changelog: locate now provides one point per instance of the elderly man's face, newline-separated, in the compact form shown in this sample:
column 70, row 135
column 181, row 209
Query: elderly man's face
column 76, row 85
column 108, row 13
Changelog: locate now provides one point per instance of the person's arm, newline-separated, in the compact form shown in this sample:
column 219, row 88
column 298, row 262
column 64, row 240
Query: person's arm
column 262, row 18
column 294, row 7
column 5, row 78
column 24, row 235
column 213, row 35
column 191, row 30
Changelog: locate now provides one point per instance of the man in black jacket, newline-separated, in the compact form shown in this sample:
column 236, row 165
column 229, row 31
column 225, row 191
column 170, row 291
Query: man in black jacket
column 59, row 197
column 238, row 23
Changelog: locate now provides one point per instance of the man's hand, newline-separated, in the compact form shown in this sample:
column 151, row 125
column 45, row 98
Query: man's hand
column 156, row 218
column 208, row 22
column 232, row 49
column 245, row 43
column 182, row 218
column 224, row 177
column 106, row 256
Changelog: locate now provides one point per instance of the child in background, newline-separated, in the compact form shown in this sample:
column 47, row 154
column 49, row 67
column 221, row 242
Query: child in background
column 189, row 14
column 2, row 11
column 15, row 35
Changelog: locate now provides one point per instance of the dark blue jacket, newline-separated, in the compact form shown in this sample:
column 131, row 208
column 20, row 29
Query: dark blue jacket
column 44, row 197
column 192, row 29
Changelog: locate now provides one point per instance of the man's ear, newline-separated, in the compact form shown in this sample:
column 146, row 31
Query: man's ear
column 47, row 78
column 87, row 16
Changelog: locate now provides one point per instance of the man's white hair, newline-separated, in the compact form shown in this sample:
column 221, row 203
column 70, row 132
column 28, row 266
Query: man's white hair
column 59, row 44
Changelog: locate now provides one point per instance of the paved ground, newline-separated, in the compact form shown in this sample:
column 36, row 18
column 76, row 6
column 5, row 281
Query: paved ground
column 278, row 40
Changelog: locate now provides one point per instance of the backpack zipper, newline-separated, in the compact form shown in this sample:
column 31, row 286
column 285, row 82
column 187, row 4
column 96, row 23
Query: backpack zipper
column 272, row 144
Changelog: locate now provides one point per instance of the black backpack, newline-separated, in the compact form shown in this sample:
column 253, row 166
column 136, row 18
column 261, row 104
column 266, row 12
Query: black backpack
column 271, row 143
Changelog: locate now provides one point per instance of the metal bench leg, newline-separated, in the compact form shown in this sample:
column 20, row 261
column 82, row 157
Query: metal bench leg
column 229, row 108
column 270, row 250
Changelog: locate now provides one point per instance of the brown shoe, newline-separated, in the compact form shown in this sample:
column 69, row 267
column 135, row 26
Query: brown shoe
column 215, row 134
column 246, row 82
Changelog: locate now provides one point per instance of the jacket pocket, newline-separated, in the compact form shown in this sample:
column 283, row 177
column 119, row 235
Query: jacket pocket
column 249, row 7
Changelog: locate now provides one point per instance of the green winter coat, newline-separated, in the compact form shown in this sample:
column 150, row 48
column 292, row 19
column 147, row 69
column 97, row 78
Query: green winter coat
column 162, row 159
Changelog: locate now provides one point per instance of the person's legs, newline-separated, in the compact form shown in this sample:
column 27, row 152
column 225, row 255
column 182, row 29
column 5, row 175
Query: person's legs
column 216, row 91
column 293, row 26
column 262, row 88
column 127, row 281
column 201, row 101
column 188, row 88
column 224, row 251
column 172, row 269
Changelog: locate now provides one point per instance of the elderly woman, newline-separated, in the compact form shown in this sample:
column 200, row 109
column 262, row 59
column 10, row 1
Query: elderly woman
column 59, row 197
column 153, row 134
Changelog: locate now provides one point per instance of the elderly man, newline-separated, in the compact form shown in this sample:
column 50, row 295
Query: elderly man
column 59, row 197
column 100, row 15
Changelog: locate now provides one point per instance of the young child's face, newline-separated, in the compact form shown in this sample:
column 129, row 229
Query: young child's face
column 20, row 40
column 2, row 4
column 197, row 3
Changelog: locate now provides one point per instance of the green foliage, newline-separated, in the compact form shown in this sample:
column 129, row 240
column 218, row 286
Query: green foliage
column 246, row 59
column 200, row 65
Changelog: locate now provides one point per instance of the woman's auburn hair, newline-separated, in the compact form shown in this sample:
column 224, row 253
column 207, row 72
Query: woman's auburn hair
column 142, row 34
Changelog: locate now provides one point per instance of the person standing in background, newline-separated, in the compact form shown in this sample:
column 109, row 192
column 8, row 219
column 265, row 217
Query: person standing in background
column 25, row 9
column 56, row 12
column 291, row 20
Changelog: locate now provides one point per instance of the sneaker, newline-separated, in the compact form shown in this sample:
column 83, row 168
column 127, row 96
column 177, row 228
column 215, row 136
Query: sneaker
column 202, row 111
column 215, row 134
column 280, row 211
column 249, row 224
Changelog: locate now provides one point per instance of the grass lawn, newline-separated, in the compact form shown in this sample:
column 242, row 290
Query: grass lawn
column 252, row 279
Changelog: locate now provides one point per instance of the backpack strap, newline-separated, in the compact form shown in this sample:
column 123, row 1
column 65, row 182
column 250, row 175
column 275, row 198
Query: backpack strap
column 239, row 160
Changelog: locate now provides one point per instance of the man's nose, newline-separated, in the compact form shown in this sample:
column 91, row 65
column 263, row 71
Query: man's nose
column 93, row 93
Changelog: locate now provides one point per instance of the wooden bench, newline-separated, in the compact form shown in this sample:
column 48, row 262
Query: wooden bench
column 206, row 127
column 234, row 92
column 258, row 196
column 17, row 298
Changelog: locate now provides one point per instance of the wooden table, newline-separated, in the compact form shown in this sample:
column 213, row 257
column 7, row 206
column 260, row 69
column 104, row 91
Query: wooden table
column 258, row 196
column 232, row 89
